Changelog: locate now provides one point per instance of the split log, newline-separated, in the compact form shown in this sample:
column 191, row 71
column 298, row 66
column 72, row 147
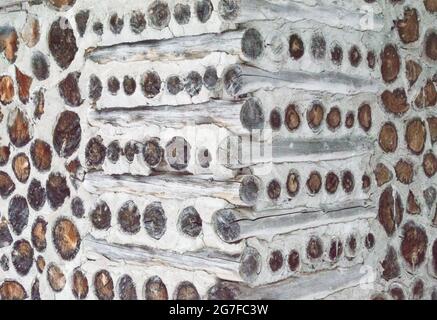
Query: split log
column 233, row 226
column 180, row 48
column 165, row 186
column 241, row 11
column 238, row 152
column 221, row 113
column 314, row 286
column 231, row 267
column 241, row 79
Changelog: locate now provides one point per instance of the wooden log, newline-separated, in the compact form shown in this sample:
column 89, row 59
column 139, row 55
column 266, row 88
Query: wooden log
column 221, row 113
column 233, row 225
column 180, row 48
column 242, row 151
column 314, row 286
column 241, row 11
column 231, row 267
column 240, row 79
column 165, row 186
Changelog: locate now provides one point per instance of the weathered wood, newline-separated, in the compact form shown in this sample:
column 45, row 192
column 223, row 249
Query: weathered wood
column 233, row 226
column 241, row 79
column 165, row 186
column 329, row 14
column 238, row 152
column 221, row 113
column 314, row 286
column 180, row 48
column 230, row 267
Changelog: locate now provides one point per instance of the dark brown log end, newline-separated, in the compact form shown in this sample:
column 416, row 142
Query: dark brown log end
column 390, row 210
column 365, row 117
column 186, row 291
column 95, row 88
column 21, row 167
column 413, row 71
column 126, row 288
column 129, row 218
column 79, row 285
column 432, row 125
column 337, row 55
column 129, row 85
column 390, row 265
column 69, row 90
column 174, row 85
column 38, row 234
column 5, row 152
column 314, row 248
column 369, row 241
column 296, row 47
column 7, row 90
column 388, row 138
column 274, row 190
column 19, row 127
column 315, row 116
column 331, row 182
column 314, row 182
column 67, row 134
column 40, row 264
column 7, row 186
column 293, row 260
column 276, row 260
column 5, row 234
column 81, row 19
column 431, row 45
column 62, row 42
column 151, row 84
column 404, row 171
column 113, row 85
column 408, row 27
column 138, row 21
column 103, row 285
column 418, row 289
column 40, row 66
column 396, row 292
column 223, row 290
column 152, row 153
column 335, row 250
column 413, row 207
column 24, row 82
column 22, row 257
column 390, row 63
column 293, row 183
column 114, row 151
column 204, row 9
column 159, row 14
column 57, row 190
column 56, row 278
column 333, row 118
column 414, row 244
column 348, row 181
column 116, row 23
column 429, row 164
column 155, row 289
column 36, row 195
column 155, row 220
column 190, row 222
column 39, row 103
column 371, row 59
column 101, row 216
column 292, row 117
column 66, row 238
column 366, row 182
column 77, row 207
column 415, row 136
column 382, row 174
column 12, row 290
column 395, row 102
column 355, row 56
column 95, row 152
column 18, row 213
column 430, row 5
column 318, row 46
column 41, row 154
column 9, row 43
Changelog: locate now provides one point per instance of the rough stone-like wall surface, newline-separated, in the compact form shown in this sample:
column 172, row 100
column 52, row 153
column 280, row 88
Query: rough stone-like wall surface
column 130, row 138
